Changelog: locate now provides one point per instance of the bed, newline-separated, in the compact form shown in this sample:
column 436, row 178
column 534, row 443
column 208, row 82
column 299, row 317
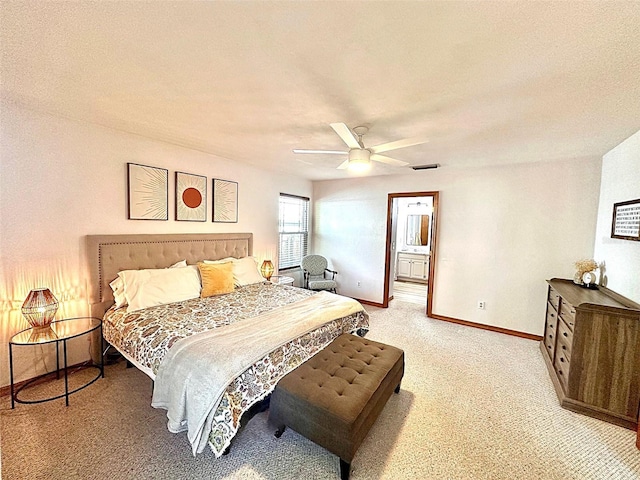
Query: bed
column 234, row 347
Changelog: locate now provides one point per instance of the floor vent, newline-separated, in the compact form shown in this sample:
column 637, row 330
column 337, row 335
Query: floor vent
column 425, row 167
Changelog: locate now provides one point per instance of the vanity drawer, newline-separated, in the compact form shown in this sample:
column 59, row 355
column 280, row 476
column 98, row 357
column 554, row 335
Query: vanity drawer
column 420, row 257
column 554, row 298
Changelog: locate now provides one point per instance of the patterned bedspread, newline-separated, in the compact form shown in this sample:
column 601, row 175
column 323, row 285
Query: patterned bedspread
column 146, row 335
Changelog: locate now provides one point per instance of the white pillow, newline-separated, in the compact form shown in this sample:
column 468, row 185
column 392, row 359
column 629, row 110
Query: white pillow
column 117, row 286
column 118, row 292
column 245, row 271
column 147, row 288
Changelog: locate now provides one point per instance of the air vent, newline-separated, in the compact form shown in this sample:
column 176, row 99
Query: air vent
column 426, row 167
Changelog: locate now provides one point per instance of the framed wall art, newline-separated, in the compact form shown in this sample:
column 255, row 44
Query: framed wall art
column 626, row 220
column 147, row 192
column 191, row 197
column 225, row 201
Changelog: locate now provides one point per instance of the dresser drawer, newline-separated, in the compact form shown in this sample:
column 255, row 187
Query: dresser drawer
column 565, row 340
column 551, row 331
column 550, row 344
column 568, row 313
column 565, row 332
column 554, row 298
column 552, row 318
column 561, row 364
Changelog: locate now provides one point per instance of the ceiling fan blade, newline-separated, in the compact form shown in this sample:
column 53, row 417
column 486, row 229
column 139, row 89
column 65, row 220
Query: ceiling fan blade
column 388, row 160
column 346, row 135
column 344, row 165
column 407, row 142
column 323, row 152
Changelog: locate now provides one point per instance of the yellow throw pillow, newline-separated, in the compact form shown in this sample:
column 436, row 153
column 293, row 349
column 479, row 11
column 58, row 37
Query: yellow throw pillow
column 216, row 278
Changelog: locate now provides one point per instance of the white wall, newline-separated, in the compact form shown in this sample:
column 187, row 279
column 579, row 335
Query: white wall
column 620, row 182
column 503, row 231
column 61, row 180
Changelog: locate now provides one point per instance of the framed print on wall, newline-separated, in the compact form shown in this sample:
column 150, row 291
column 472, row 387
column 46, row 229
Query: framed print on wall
column 147, row 192
column 191, row 197
column 225, row 201
column 626, row 220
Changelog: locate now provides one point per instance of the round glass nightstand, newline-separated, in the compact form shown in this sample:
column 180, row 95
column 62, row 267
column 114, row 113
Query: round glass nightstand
column 58, row 333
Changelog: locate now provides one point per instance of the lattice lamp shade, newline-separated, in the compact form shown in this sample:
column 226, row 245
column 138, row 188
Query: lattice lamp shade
column 267, row 269
column 40, row 307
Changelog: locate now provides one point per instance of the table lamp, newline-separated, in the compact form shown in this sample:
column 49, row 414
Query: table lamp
column 267, row 269
column 40, row 307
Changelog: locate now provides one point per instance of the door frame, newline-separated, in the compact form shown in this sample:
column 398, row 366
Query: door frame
column 433, row 251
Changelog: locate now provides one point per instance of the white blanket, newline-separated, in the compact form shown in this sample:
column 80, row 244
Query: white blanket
column 196, row 370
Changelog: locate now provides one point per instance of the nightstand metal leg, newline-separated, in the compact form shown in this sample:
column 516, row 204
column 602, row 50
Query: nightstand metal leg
column 58, row 361
column 101, row 352
column 13, row 402
column 66, row 374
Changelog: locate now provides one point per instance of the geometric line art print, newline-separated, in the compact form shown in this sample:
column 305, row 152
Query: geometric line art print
column 225, row 201
column 148, row 192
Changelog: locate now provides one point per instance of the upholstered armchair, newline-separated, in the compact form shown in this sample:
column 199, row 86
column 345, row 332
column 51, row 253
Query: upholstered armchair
column 316, row 274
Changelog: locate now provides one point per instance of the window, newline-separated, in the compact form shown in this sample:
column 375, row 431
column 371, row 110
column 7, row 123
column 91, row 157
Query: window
column 293, row 227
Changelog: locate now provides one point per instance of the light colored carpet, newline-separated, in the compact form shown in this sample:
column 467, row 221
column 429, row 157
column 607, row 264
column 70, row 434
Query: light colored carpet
column 473, row 405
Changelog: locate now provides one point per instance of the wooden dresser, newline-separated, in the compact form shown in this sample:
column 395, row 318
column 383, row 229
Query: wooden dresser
column 591, row 347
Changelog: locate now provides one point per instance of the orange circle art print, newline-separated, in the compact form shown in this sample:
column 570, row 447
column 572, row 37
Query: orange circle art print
column 191, row 193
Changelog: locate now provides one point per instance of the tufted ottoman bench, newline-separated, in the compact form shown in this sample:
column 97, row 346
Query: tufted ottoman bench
column 335, row 397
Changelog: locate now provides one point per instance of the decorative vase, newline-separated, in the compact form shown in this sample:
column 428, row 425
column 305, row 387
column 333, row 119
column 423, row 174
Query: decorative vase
column 577, row 278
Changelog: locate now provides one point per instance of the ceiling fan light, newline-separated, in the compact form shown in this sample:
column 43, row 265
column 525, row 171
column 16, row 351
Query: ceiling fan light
column 359, row 160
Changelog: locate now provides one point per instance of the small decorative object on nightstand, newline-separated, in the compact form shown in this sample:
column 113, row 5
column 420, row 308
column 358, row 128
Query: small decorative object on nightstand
column 40, row 307
column 267, row 269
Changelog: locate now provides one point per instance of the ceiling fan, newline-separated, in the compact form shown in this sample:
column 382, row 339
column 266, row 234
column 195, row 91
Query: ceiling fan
column 360, row 156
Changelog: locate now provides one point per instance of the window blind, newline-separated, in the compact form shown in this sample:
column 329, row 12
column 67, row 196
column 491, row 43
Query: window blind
column 293, row 228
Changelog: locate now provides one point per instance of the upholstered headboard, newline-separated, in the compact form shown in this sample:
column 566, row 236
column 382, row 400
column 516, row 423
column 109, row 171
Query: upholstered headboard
column 109, row 254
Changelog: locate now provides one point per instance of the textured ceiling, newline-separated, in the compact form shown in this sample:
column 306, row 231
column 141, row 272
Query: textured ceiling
column 486, row 82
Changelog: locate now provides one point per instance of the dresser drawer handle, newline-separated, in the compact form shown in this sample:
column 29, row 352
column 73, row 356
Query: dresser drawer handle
column 563, row 347
column 552, row 315
column 565, row 334
column 560, row 372
column 551, row 336
column 562, row 359
column 549, row 347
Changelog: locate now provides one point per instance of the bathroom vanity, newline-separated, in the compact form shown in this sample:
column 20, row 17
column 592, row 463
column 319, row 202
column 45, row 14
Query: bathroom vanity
column 412, row 266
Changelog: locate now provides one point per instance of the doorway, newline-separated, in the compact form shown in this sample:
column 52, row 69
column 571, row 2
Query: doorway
column 412, row 220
